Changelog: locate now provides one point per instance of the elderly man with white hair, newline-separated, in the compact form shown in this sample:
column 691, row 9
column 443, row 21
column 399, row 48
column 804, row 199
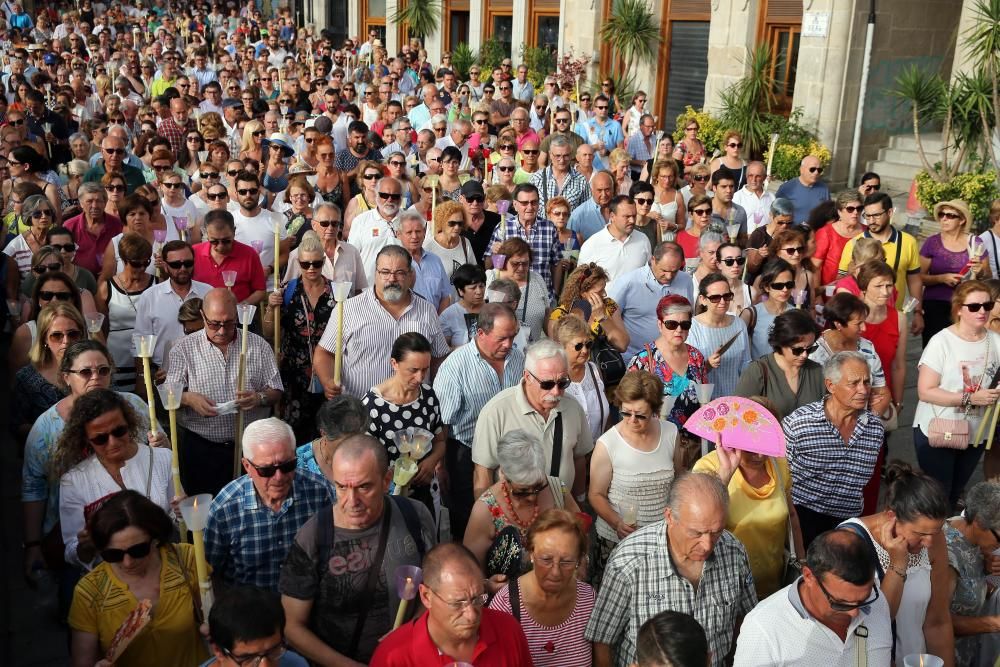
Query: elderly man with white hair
column 253, row 520
column 430, row 280
column 538, row 406
column 379, row 227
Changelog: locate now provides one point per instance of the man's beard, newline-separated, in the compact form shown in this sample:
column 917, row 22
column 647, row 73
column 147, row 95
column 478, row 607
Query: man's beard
column 393, row 293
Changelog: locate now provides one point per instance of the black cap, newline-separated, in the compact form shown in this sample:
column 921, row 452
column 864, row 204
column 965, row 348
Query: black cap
column 472, row 189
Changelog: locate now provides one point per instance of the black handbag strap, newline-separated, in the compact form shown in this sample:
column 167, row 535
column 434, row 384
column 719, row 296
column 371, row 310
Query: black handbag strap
column 557, row 443
column 763, row 376
column 600, row 401
column 515, row 598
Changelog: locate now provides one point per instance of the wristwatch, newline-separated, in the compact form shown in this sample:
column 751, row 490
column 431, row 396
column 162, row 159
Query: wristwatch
column 262, row 399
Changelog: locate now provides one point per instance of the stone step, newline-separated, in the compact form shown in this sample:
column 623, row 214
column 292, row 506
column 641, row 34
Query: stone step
column 930, row 142
column 902, row 156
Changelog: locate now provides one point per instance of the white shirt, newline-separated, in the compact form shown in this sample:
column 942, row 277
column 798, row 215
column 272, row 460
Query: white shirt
column 370, row 232
column 758, row 208
column 779, row 631
column 612, row 255
column 261, row 228
column 156, row 313
column 992, row 244
column 89, row 481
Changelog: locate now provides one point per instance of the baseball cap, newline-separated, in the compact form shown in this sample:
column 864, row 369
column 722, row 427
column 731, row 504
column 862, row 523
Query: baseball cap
column 472, row 189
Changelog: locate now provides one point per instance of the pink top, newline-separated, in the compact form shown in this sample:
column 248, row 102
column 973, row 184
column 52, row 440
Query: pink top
column 560, row 645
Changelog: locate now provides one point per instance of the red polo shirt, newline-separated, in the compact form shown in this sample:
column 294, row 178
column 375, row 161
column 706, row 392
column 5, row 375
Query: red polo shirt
column 501, row 644
column 90, row 250
column 689, row 243
column 242, row 259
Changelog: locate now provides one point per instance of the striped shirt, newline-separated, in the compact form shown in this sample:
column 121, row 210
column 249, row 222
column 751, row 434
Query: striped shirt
column 465, row 383
column 828, row 477
column 640, row 581
column 370, row 331
column 708, row 339
column 246, row 542
column 561, row 645
column 203, row 368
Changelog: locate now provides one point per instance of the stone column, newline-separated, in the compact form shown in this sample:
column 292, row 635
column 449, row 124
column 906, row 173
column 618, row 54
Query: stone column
column 963, row 57
column 475, row 27
column 519, row 30
column 733, row 30
column 353, row 20
column 391, row 29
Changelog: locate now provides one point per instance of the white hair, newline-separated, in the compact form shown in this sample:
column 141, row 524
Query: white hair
column 265, row 431
column 543, row 349
column 520, row 458
column 411, row 216
column 834, row 366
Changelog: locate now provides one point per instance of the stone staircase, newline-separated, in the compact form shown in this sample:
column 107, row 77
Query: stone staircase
column 899, row 162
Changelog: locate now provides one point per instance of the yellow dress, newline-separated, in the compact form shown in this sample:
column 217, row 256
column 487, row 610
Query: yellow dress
column 758, row 517
column 101, row 602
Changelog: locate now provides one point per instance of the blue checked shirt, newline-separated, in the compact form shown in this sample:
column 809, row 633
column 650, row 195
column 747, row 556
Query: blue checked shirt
column 640, row 581
column 245, row 542
column 637, row 148
column 575, row 187
column 827, row 476
column 543, row 240
column 465, row 383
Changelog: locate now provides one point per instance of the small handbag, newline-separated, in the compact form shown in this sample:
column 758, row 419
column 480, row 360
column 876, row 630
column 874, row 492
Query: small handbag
column 791, row 569
column 890, row 423
column 609, row 361
column 954, row 433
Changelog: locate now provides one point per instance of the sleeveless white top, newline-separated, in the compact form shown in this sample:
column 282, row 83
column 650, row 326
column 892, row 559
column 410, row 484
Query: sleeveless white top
column 121, row 317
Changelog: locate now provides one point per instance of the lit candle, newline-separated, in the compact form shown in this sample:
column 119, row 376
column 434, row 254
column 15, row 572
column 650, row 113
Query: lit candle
column 170, row 395
column 195, row 513
column 144, row 352
column 408, row 591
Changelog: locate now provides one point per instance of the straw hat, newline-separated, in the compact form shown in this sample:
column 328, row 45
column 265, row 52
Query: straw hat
column 956, row 204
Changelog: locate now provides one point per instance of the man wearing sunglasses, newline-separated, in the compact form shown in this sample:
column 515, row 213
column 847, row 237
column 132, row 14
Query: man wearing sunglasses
column 562, row 127
column 221, row 253
column 836, row 593
column 602, row 132
column 254, row 223
column 253, row 520
column 247, row 628
column 375, row 229
column 481, row 223
column 537, row 405
column 156, row 309
column 807, row 191
column 112, row 158
column 207, row 363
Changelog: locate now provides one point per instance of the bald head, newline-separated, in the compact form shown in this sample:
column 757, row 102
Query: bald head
column 697, row 489
column 219, row 299
column 360, row 447
column 452, row 558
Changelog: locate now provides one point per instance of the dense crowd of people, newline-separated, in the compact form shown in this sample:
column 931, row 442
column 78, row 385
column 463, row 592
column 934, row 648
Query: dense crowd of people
column 459, row 325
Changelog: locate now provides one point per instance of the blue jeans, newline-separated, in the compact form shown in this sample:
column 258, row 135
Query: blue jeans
column 951, row 467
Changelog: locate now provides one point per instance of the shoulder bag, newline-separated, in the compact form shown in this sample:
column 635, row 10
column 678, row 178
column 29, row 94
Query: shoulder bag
column 792, row 568
column 954, row 433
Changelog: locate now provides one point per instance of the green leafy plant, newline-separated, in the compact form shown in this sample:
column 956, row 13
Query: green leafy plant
column 983, row 40
column 634, row 35
column 540, row 63
column 788, row 156
column 710, row 128
column 491, row 54
column 746, row 104
column 462, row 59
column 978, row 190
column 421, row 16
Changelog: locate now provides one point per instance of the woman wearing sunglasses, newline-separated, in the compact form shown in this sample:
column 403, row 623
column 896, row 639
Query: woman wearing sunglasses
column 587, row 385
column 114, row 186
column 954, row 376
column 188, row 158
column 731, row 161
column 714, row 327
column 85, row 367
column 786, row 376
column 38, row 385
column 776, row 283
column 690, row 151
column 37, row 212
column 500, row 518
column 789, row 245
column 632, row 466
column 100, row 452
column 117, row 299
column 369, row 172
column 138, row 562
column 404, row 401
column 253, row 135
column 396, row 163
column 831, row 239
column 946, row 259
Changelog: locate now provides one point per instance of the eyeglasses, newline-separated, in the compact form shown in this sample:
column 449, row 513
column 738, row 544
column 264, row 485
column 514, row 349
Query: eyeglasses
column 390, row 196
column 873, row 216
column 701, row 211
column 114, row 187
column 738, row 261
column 218, row 324
column 270, row 470
column 65, row 247
column 974, row 307
column 456, row 223
column 46, row 295
column 943, row 215
column 583, row 344
column 716, row 298
column 218, row 196
column 326, row 223
column 671, row 325
column 505, row 169
column 837, row 605
column 852, row 209
column 783, row 286
column 175, row 185
column 371, row 176
column 396, row 163
column 89, row 373
column 42, row 268
column 530, row 151
column 273, row 655
column 135, row 551
column 506, row 147
column 161, row 167
column 478, row 601
column 644, row 201
column 99, row 439
column 548, row 562
column 137, row 263
column 527, row 493
column 181, row 264
column 386, row 274
column 798, row 351
column 248, row 192
column 527, row 203
column 475, row 199
column 601, row 107
column 317, row 264
column 114, row 151
column 548, row 385
column 207, row 175
column 815, row 170
column 700, row 179
column 796, row 250
column 15, row 123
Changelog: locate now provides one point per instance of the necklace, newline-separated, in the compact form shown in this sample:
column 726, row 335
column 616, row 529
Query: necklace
column 521, row 525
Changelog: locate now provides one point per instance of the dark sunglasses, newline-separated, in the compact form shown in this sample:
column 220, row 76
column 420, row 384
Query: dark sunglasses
column 218, row 196
column 390, row 196
column 528, row 151
column 116, row 188
column 102, row 438
column 114, row 151
column 527, row 493
column 783, row 286
column 42, row 268
column 853, row 209
column 716, row 298
column 943, row 215
column 974, row 307
column 583, row 344
column 735, row 145
column 326, row 223
column 633, row 415
column 699, row 178
column 671, row 325
column 701, row 211
column 738, row 261
column 269, row 470
column 317, row 264
column 548, row 385
column 181, row 264
column 233, row 172
column 506, row 147
column 797, row 351
column 15, row 123
column 370, row 176
column 505, row 169
column 815, row 170
column 793, row 250
column 134, row 552
column 65, row 247
column 138, row 263
column 837, row 605
column 645, row 201
column 248, row 191
column 46, row 295
column 89, row 373
column 209, row 174
column 173, row 186
column 475, row 199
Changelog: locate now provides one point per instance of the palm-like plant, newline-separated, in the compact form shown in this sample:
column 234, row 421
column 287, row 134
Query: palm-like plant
column 421, row 16
column 746, row 104
column 462, row 59
column 633, row 33
column 983, row 41
column 921, row 91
